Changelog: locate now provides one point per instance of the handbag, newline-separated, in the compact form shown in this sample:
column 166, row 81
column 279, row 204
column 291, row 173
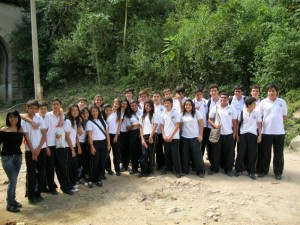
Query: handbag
column 60, row 137
column 215, row 133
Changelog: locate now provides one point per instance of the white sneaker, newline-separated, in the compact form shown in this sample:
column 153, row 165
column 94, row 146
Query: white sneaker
column 74, row 189
column 75, row 186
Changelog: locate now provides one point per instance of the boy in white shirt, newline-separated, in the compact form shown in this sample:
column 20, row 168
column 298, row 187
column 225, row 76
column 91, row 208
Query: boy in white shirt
column 35, row 154
column 250, row 135
column 274, row 112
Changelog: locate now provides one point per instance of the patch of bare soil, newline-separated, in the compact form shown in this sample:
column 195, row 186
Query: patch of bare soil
column 164, row 199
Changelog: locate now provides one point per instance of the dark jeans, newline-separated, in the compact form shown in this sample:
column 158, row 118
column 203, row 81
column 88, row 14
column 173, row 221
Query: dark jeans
column 247, row 152
column 11, row 165
column 205, row 142
column 160, row 156
column 223, row 148
column 61, row 168
column 97, row 161
column 50, row 170
column 35, row 173
column 84, row 160
column 147, row 159
column 72, row 166
column 136, row 148
column 191, row 152
column 125, row 148
column 277, row 141
column 172, row 155
column 116, row 153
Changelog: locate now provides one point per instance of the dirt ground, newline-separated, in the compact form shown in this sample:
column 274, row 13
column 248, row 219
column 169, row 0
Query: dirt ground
column 164, row 199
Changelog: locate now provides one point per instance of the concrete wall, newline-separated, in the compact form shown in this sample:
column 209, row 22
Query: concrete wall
column 10, row 83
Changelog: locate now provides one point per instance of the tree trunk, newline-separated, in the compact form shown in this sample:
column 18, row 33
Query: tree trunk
column 125, row 23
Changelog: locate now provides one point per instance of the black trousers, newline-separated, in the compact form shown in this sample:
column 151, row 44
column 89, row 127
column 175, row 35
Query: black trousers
column 61, row 168
column 136, row 148
column 247, row 152
column 97, row 161
column 205, row 141
column 116, row 153
column 258, row 163
column 160, row 156
column 208, row 144
column 72, row 166
column 35, row 173
column 84, row 160
column 191, row 152
column 277, row 141
column 50, row 169
column 223, row 148
column 125, row 148
column 172, row 155
column 147, row 159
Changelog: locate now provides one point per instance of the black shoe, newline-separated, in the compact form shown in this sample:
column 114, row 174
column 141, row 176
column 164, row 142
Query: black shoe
column 118, row 173
column 90, row 184
column 53, row 192
column 122, row 168
column 17, row 204
column 141, row 175
column 69, row 192
column 32, row 200
column 12, row 208
column 103, row 177
column 201, row 175
column 229, row 173
column 133, row 171
column 158, row 168
column 278, row 177
column 178, row 175
column 252, row 176
column 99, row 183
column 39, row 198
column 237, row 174
column 163, row 172
column 261, row 175
column 110, row 172
column 211, row 172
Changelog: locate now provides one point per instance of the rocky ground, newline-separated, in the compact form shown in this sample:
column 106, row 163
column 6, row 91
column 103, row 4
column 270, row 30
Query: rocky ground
column 164, row 199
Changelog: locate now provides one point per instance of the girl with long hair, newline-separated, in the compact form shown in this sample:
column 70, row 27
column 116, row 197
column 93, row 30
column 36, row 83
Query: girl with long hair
column 124, row 135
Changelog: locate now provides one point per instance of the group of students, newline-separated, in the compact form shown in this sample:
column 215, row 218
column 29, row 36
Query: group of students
column 169, row 135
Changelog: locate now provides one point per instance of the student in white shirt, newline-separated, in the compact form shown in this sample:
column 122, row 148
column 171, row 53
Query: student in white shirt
column 129, row 94
column 191, row 136
column 98, row 101
column 35, row 153
column 143, row 97
column 84, row 158
column 82, row 102
column 133, row 126
column 99, row 144
column 223, row 117
column 249, row 136
column 159, row 152
column 124, row 136
column 148, row 124
column 211, row 102
column 238, row 99
column 274, row 112
column 201, row 106
column 170, row 131
column 73, row 148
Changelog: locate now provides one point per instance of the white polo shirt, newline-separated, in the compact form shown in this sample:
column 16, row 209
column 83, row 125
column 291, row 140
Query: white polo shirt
column 159, row 110
column 250, row 121
column 52, row 122
column 176, row 104
column 190, row 125
column 35, row 135
column 272, row 116
column 238, row 104
column 123, row 125
column 169, row 121
column 202, row 108
column 226, row 115
column 212, row 104
column 112, row 123
column 134, row 119
column 82, row 138
column 97, row 134
column 146, row 124
column 72, row 130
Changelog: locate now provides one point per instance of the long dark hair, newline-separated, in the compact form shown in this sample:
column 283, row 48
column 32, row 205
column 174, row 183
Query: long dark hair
column 127, row 110
column 119, row 109
column 193, row 111
column 99, row 115
column 149, row 102
column 74, row 120
column 83, row 123
column 17, row 114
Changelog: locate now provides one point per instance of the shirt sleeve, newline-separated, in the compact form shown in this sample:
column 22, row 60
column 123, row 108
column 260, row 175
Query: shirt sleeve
column 67, row 126
column 43, row 124
column 285, row 111
column 198, row 115
column 212, row 112
column 88, row 126
column 177, row 117
column 24, row 126
column 234, row 114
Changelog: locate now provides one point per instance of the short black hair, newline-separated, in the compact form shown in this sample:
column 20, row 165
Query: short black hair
column 168, row 99
column 255, row 86
column 32, row 102
column 249, row 101
column 224, row 93
column 128, row 90
column 17, row 114
column 56, row 99
column 199, row 90
column 43, row 103
column 269, row 86
column 180, row 90
column 211, row 86
column 238, row 87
